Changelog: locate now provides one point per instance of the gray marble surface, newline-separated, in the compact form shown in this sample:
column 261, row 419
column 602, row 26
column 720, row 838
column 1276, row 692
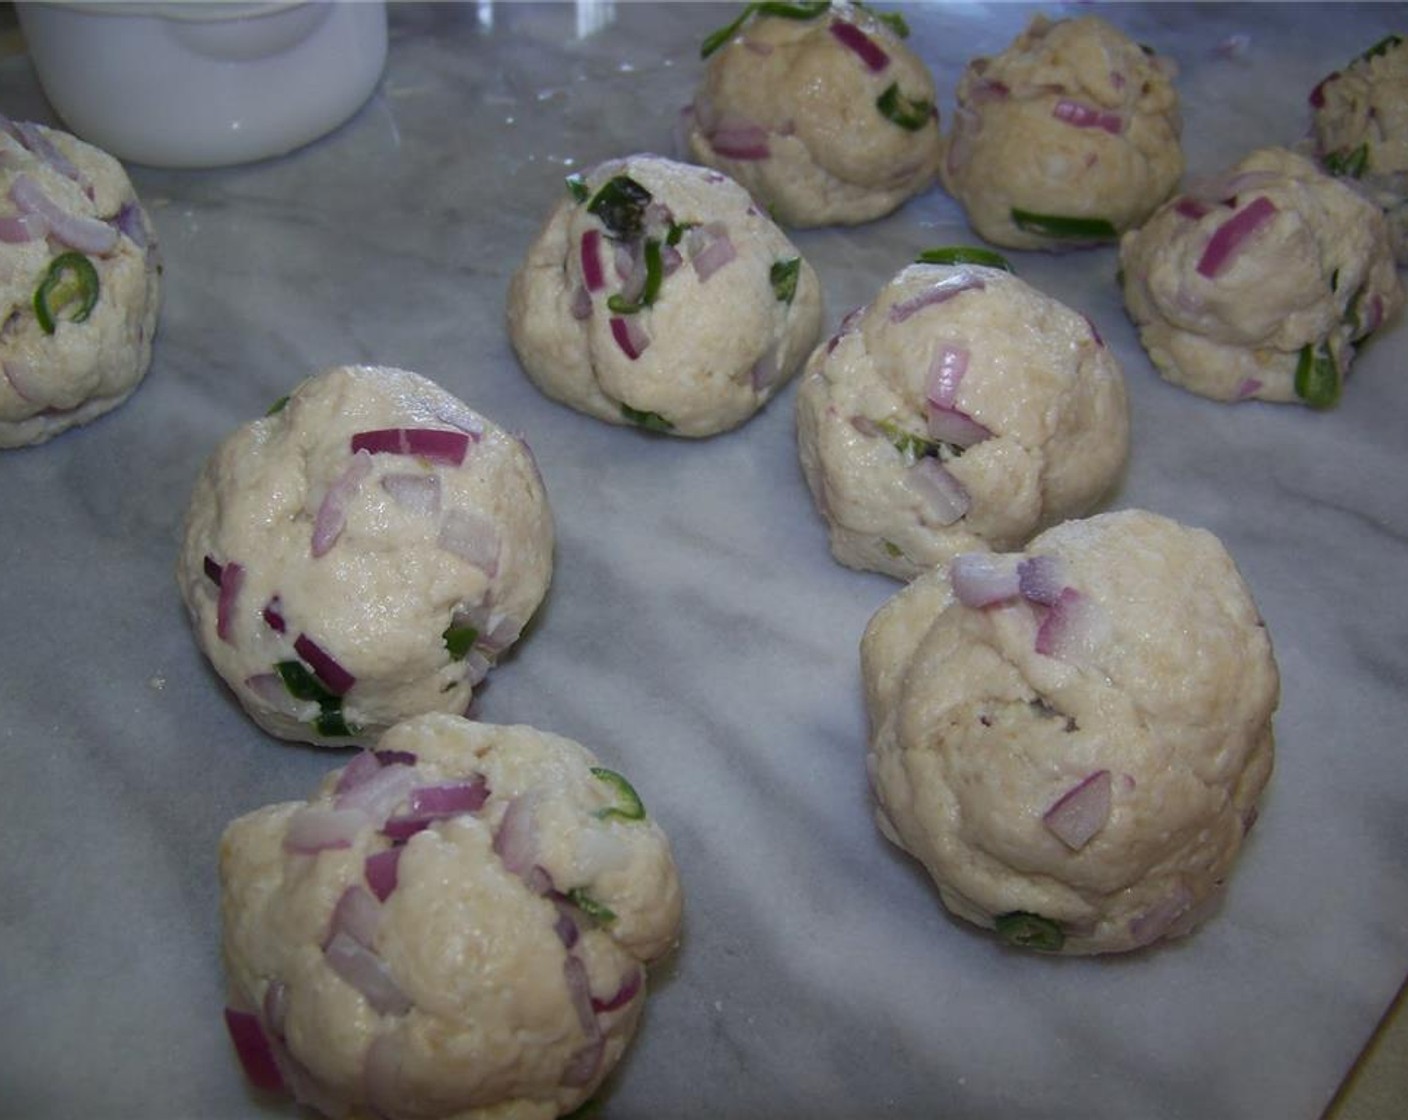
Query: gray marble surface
column 697, row 634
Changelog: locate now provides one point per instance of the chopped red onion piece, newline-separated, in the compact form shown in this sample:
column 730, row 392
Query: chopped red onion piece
column 450, row 799
column 583, row 1066
column 368, row 973
column 630, row 336
column 381, row 792
column 400, row 829
column 953, row 425
column 711, row 248
column 472, row 537
column 1041, row 579
column 942, row 493
column 1248, row 388
column 1081, row 115
column 630, row 986
column 19, row 228
column 363, row 766
column 381, row 871
column 1317, row 95
column 270, row 688
column 1156, row 921
column 129, row 222
column 33, row 138
column 212, row 569
column 387, row 758
column 254, row 1051
column 981, row 579
column 946, row 372
column 741, row 140
column 988, row 89
column 273, row 615
column 1230, row 237
column 765, row 371
column 516, row 840
column 862, row 45
column 434, row 444
column 581, row 306
column 231, row 580
column 357, row 915
column 1081, row 811
column 579, row 990
column 416, row 493
column 941, row 292
column 325, row 667
column 565, row 925
column 316, row 828
column 87, row 235
column 332, row 510
column 1057, row 633
column 1188, row 207
column 592, row 273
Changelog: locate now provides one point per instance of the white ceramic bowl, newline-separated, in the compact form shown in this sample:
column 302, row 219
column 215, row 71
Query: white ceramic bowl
column 205, row 84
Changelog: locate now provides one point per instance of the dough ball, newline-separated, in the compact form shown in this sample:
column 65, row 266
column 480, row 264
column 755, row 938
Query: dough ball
column 455, row 925
column 828, row 120
column 1260, row 283
column 657, row 294
column 1359, row 127
column 962, row 409
column 79, row 284
column 1072, row 740
column 363, row 554
column 1065, row 139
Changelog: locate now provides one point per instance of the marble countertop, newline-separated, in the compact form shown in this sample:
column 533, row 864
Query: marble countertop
column 697, row 635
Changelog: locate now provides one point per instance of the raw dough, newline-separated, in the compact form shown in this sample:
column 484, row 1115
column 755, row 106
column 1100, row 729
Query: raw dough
column 1077, row 761
column 72, row 223
column 363, row 554
column 1260, row 283
column 1065, row 139
column 453, row 926
column 961, row 409
column 735, row 311
column 830, row 120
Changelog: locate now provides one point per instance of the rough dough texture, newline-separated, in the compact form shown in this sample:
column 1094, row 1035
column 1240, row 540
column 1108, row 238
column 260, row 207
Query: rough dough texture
column 794, row 113
column 337, row 539
column 454, row 926
column 1074, row 120
column 1260, row 283
column 941, row 345
column 66, row 196
column 737, row 308
column 1359, row 127
column 1156, row 687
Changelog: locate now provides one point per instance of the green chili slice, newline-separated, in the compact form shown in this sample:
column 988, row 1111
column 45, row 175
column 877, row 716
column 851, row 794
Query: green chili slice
column 303, row 685
column 1030, row 931
column 910, row 444
column 964, row 254
column 677, row 231
column 783, row 275
column 459, row 640
column 620, row 205
column 654, row 274
column 909, row 114
column 332, row 723
column 577, row 187
column 1061, row 226
column 596, row 911
column 651, row 421
column 277, row 406
column 628, row 807
column 69, row 289
column 802, row 11
column 1382, row 47
column 1318, row 380
column 1352, row 163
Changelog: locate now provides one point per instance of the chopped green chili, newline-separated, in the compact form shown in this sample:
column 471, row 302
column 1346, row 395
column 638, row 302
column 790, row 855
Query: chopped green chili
column 303, row 685
column 802, row 11
column 909, row 114
column 1056, row 225
column 893, row 549
column 651, row 421
column 784, row 275
column 577, row 187
column 1382, row 47
column 620, row 205
column 628, row 807
column 654, row 274
column 1318, row 380
column 677, row 231
column 1029, row 931
column 70, row 285
column 910, row 444
column 1352, row 163
column 277, row 406
column 596, row 911
column 964, row 254
column 459, row 640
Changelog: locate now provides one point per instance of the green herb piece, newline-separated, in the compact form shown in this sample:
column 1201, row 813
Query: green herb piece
column 628, row 807
column 70, row 286
column 577, row 187
column 277, row 406
column 651, row 421
column 1030, row 931
column 1056, row 225
column 1382, row 47
column 331, row 723
column 654, row 275
column 596, row 911
column 893, row 549
column 620, row 205
column 459, row 640
column 677, row 231
column 802, row 11
column 303, row 685
column 1318, row 381
column 964, row 254
column 911, row 115
column 1335, row 280
column 909, row 444
column 1352, row 164
column 783, row 275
